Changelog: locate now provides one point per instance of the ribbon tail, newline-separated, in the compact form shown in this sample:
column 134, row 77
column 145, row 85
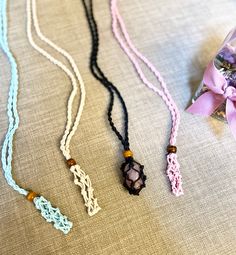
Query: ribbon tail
column 231, row 116
column 206, row 104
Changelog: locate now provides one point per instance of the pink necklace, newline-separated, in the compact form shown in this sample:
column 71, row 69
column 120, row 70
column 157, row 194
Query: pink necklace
column 135, row 56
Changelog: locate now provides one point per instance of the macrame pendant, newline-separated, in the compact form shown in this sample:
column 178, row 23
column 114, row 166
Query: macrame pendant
column 134, row 177
column 50, row 214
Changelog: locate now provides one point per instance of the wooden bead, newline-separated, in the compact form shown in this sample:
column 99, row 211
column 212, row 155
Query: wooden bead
column 171, row 149
column 31, row 195
column 128, row 154
column 71, row 162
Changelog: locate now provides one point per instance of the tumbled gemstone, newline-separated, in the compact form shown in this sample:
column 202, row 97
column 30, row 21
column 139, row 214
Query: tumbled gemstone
column 134, row 178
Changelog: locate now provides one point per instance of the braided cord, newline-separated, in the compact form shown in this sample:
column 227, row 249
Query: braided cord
column 70, row 127
column 99, row 75
column 13, row 116
column 132, row 53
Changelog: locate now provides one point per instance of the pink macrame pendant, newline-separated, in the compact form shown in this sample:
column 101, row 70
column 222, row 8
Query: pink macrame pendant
column 174, row 175
column 134, row 178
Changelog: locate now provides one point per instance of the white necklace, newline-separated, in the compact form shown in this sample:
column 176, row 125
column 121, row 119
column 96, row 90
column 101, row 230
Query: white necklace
column 80, row 178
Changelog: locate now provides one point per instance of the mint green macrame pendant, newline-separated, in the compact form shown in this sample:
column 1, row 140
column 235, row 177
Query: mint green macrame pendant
column 52, row 214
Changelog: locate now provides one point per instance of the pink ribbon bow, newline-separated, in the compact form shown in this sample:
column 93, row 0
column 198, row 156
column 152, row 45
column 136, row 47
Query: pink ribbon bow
column 218, row 93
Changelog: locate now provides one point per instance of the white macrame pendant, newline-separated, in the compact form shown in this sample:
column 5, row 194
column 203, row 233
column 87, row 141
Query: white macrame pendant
column 83, row 181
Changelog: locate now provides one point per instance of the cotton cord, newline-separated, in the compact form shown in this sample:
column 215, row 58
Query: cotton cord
column 80, row 178
column 100, row 76
column 50, row 213
column 13, row 116
column 122, row 36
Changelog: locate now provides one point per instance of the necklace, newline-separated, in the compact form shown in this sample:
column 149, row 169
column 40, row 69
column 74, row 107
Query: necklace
column 50, row 213
column 135, row 56
column 134, row 178
column 81, row 179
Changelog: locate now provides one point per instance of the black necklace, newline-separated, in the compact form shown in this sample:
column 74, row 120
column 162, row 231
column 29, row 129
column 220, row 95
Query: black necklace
column 134, row 178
